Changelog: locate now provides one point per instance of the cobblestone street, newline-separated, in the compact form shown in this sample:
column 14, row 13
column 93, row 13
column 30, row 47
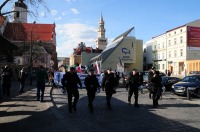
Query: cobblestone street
column 23, row 113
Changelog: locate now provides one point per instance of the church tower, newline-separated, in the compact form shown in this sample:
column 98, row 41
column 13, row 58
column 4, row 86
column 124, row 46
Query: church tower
column 20, row 12
column 101, row 41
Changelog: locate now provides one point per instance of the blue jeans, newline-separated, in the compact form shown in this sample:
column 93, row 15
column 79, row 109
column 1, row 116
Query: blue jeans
column 40, row 87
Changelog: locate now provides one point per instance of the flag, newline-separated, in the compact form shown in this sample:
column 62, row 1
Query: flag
column 97, row 68
column 78, row 68
column 120, row 62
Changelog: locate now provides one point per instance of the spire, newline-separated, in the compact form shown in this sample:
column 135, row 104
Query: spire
column 101, row 19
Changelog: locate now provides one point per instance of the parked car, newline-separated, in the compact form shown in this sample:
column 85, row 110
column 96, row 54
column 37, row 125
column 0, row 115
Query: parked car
column 191, row 82
column 167, row 82
column 194, row 72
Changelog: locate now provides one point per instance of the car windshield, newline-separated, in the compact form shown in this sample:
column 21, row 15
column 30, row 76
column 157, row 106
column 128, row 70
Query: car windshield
column 191, row 79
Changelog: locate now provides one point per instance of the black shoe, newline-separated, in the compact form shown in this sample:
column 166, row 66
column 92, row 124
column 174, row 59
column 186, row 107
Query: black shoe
column 136, row 105
column 70, row 111
column 42, row 101
column 74, row 108
column 109, row 108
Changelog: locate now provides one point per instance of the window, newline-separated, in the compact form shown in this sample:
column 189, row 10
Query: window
column 163, row 66
column 154, row 47
column 163, row 55
column 145, row 51
column 18, row 61
column 174, row 41
column 169, row 54
column 169, row 43
column 181, row 52
column 158, row 56
column 181, row 30
column 174, row 32
column 169, row 34
column 17, row 14
column 181, row 39
column 163, row 45
column 158, row 46
column 175, row 54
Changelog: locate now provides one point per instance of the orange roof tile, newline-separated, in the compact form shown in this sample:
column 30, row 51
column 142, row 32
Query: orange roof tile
column 30, row 31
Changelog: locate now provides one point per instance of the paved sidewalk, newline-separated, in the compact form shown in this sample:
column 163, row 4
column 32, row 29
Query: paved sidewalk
column 22, row 113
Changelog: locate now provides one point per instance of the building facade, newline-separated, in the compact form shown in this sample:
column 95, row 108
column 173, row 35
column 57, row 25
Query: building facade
column 176, row 48
column 26, row 36
column 123, row 54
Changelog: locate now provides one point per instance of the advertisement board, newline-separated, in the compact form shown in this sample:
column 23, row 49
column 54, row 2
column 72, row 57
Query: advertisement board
column 193, row 38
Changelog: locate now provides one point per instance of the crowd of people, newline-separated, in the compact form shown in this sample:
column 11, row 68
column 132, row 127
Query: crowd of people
column 71, row 81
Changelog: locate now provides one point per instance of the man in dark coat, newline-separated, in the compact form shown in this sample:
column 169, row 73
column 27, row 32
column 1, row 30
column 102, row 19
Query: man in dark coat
column 150, row 84
column 157, row 89
column 134, row 83
column 41, row 77
column 91, row 83
column 108, row 82
column 70, row 81
column 22, row 75
column 6, row 80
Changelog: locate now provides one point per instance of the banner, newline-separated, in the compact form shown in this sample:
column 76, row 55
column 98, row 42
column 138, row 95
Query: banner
column 59, row 75
column 193, row 37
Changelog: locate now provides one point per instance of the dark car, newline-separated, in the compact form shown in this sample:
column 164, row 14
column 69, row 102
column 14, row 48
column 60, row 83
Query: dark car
column 167, row 82
column 191, row 82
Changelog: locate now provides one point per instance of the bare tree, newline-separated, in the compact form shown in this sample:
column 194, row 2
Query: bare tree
column 33, row 6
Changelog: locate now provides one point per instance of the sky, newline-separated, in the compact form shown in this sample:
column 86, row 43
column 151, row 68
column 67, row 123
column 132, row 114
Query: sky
column 77, row 20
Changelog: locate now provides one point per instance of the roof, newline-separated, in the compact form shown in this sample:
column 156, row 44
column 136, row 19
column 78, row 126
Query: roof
column 124, row 34
column 111, row 47
column 5, row 44
column 30, row 31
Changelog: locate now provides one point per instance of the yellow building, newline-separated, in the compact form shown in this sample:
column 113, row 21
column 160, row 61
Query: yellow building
column 124, row 51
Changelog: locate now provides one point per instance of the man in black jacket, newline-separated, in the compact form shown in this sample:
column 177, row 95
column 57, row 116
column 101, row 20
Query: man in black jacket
column 134, row 83
column 91, row 83
column 70, row 81
column 6, row 80
column 108, row 82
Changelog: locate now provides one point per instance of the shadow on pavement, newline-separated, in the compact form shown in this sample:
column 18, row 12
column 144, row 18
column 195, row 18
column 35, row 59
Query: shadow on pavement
column 122, row 117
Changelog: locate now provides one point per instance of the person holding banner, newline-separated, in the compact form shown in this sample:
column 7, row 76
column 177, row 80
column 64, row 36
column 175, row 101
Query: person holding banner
column 91, row 83
column 70, row 81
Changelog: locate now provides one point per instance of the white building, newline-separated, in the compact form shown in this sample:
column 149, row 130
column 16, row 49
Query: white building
column 174, row 49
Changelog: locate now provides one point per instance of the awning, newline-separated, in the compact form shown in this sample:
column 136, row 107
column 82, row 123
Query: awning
column 5, row 44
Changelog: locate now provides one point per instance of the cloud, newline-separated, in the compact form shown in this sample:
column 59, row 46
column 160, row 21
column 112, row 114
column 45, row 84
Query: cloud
column 69, row 1
column 58, row 18
column 42, row 14
column 54, row 12
column 71, row 34
column 74, row 11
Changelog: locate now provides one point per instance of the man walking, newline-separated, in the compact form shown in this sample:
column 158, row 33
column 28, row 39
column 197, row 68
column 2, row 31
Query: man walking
column 6, row 80
column 70, row 81
column 108, row 82
column 22, row 75
column 134, row 83
column 41, row 76
column 91, row 83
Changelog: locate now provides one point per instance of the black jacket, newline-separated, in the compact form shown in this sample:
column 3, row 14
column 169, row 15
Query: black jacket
column 70, row 80
column 108, row 81
column 91, row 82
column 134, row 81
